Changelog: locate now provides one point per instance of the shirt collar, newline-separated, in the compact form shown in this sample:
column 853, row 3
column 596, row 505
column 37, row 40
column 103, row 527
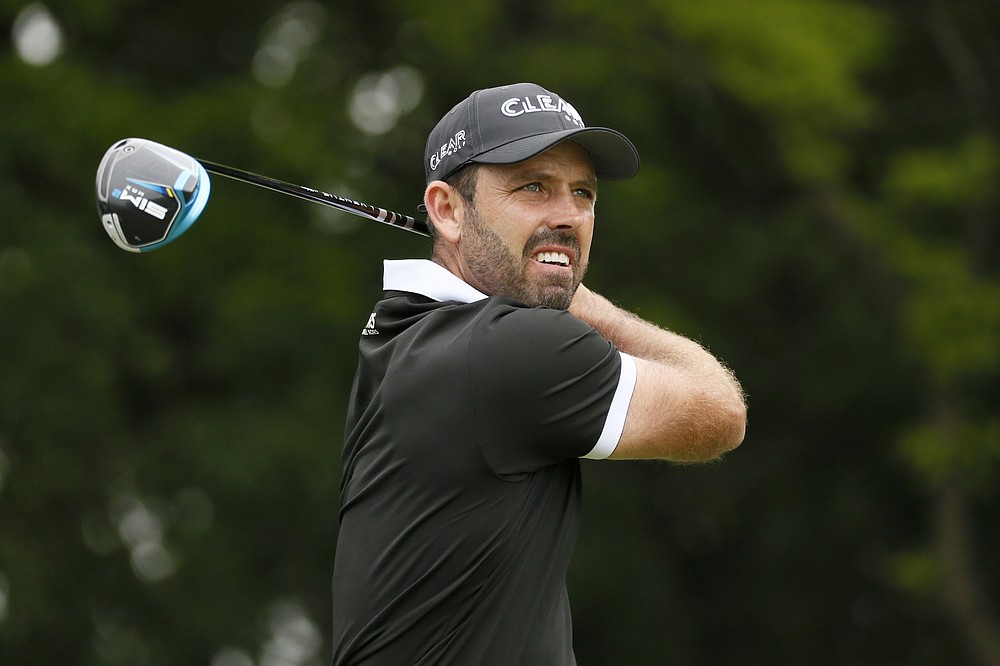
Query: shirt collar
column 424, row 277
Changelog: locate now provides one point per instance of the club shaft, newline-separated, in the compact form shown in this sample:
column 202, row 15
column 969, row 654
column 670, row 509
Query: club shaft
column 332, row 200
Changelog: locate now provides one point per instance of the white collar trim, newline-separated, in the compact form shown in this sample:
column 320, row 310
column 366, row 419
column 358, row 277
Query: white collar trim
column 424, row 277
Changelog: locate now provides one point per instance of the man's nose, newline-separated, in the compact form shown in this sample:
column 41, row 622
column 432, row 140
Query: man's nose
column 568, row 211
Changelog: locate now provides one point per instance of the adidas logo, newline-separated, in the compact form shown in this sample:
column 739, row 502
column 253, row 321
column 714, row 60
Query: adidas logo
column 370, row 326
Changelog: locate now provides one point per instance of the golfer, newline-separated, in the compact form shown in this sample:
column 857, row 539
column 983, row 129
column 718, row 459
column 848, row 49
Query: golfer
column 484, row 375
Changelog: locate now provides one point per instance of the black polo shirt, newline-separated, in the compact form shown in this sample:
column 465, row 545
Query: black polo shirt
column 460, row 499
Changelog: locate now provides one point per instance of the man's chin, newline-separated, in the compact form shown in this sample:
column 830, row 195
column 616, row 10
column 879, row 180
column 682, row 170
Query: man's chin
column 553, row 296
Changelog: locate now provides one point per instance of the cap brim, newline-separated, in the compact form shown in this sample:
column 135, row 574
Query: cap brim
column 614, row 156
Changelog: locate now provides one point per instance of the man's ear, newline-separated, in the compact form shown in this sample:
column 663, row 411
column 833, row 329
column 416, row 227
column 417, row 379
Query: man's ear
column 446, row 210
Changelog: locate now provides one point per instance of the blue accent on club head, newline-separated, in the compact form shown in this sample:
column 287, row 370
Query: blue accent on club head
column 190, row 210
column 148, row 185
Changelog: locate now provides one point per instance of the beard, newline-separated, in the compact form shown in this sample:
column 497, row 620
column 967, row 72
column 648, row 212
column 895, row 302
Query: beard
column 499, row 271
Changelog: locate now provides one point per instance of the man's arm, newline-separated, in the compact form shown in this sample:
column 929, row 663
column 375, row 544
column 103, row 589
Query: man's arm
column 687, row 406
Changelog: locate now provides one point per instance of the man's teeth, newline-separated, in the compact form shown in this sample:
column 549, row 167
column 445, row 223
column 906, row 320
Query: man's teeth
column 560, row 258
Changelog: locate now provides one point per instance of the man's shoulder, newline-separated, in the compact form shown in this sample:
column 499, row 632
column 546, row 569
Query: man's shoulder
column 504, row 316
column 496, row 323
column 512, row 334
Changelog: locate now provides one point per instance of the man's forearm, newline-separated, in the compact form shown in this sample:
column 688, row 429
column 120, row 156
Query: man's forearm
column 700, row 374
column 642, row 339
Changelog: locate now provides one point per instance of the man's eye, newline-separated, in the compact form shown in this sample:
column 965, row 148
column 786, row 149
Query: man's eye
column 585, row 193
column 533, row 187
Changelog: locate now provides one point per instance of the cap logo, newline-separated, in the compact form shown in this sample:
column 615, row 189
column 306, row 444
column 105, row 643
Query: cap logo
column 455, row 144
column 516, row 106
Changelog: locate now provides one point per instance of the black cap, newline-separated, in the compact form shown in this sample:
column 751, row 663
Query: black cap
column 513, row 123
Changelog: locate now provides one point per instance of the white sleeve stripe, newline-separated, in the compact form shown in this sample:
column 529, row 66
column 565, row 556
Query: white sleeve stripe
column 615, row 423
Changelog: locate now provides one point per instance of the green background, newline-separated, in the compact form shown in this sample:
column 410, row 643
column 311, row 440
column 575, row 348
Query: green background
column 817, row 204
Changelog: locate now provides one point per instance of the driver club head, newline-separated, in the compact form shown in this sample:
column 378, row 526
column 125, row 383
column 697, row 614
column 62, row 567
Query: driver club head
column 149, row 194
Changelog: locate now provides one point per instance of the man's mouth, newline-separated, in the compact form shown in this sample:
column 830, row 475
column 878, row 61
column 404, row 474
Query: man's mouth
column 553, row 258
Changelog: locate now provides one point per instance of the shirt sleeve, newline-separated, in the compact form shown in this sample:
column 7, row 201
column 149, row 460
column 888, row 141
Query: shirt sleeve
column 615, row 423
column 546, row 387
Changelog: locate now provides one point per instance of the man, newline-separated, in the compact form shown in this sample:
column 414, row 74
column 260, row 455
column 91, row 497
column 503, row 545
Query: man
column 485, row 375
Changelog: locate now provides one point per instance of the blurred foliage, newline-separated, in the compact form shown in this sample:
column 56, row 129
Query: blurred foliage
column 817, row 204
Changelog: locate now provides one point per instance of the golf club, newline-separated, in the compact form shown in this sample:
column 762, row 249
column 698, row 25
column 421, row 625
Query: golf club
column 149, row 194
